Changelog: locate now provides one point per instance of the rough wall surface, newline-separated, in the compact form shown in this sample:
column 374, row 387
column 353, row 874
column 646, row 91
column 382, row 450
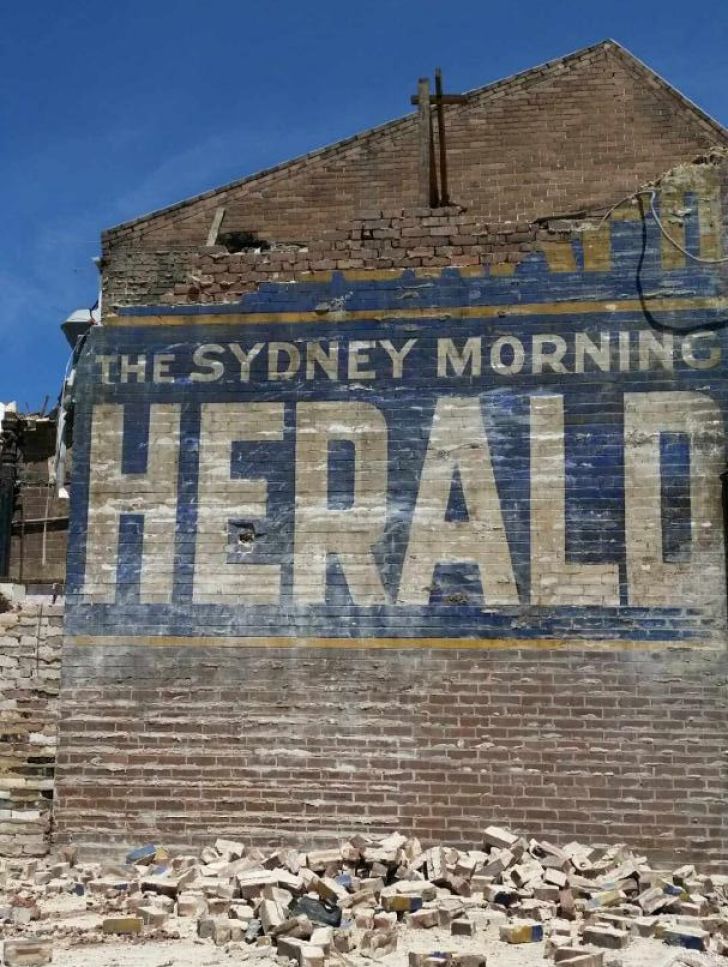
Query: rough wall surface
column 421, row 549
column 518, row 150
column 40, row 521
column 30, row 665
column 184, row 745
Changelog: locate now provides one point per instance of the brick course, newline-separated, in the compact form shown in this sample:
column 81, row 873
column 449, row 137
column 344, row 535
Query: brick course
column 590, row 745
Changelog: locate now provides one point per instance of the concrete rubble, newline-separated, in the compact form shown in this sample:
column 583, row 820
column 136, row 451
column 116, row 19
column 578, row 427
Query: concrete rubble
column 366, row 898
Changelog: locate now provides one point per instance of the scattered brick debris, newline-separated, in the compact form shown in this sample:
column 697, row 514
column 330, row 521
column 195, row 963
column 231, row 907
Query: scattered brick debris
column 582, row 905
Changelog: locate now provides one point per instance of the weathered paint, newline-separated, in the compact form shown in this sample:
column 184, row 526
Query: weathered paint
column 462, row 459
column 470, row 573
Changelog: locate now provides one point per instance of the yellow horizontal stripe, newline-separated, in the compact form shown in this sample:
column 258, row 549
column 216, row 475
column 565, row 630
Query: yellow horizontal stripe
column 574, row 308
column 372, row 275
column 367, row 644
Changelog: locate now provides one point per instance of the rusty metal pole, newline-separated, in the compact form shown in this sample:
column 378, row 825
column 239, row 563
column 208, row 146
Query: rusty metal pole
column 434, row 194
column 444, row 195
column 425, row 129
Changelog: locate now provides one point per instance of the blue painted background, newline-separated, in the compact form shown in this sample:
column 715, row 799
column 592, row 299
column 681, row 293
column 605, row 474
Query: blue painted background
column 593, row 404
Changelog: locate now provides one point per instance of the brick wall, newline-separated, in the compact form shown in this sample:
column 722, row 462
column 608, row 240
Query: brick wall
column 30, row 659
column 519, row 150
column 261, row 467
column 423, row 240
column 40, row 520
column 183, row 746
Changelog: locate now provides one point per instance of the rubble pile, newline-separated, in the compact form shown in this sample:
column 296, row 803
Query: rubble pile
column 366, row 898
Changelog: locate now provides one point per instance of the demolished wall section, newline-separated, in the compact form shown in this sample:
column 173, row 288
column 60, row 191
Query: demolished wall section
column 31, row 633
column 40, row 520
column 386, row 242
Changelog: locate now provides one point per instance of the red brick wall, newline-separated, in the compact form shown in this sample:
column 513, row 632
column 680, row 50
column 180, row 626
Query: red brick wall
column 267, row 746
column 521, row 150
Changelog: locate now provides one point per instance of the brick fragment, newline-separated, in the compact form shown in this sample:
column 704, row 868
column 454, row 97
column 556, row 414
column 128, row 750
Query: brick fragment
column 579, row 957
column 603, row 936
column 423, row 919
column 523, row 931
column 498, row 837
column 229, row 849
column 27, row 953
column 153, row 916
column 191, row 904
column 468, row 960
column 122, row 925
column 605, row 898
column 687, row 937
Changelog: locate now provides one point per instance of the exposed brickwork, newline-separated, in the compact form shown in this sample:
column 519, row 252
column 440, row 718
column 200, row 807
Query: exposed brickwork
column 421, row 239
column 424, row 241
column 30, row 666
column 519, row 150
column 183, row 747
column 578, row 693
column 40, row 521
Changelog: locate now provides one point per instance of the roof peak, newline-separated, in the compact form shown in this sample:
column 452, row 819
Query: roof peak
column 492, row 89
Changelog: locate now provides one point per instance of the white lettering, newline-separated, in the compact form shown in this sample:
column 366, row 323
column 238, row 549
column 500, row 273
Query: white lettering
column 553, row 581
column 224, row 501
column 458, row 443
column 212, row 369
column 471, row 356
column 653, row 581
column 350, row 532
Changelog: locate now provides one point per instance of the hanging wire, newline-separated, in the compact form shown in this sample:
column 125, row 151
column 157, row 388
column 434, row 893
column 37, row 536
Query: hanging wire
column 652, row 192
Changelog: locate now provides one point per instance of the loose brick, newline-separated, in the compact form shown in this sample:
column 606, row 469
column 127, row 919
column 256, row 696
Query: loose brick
column 526, row 931
column 460, row 927
column 691, row 939
column 122, row 925
column 27, row 953
column 609, row 937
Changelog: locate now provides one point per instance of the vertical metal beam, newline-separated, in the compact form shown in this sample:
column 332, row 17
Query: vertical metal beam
column 434, row 193
column 426, row 173
column 444, row 194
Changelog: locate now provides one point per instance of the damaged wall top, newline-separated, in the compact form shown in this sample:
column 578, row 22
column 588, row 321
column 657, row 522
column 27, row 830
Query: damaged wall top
column 571, row 134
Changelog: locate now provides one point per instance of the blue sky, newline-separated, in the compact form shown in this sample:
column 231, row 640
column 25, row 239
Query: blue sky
column 110, row 110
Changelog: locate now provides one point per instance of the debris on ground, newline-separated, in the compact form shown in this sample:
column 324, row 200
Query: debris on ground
column 368, row 898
